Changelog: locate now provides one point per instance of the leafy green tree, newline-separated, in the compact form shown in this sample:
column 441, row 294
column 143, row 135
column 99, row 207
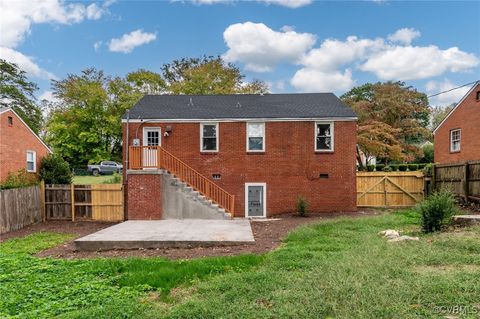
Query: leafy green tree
column 392, row 119
column 77, row 128
column 438, row 114
column 55, row 170
column 17, row 91
column 207, row 75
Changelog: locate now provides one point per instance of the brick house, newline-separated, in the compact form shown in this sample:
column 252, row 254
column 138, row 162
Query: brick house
column 20, row 147
column 250, row 155
column 457, row 137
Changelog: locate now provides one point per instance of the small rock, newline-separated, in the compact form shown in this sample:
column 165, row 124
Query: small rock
column 389, row 233
column 402, row 238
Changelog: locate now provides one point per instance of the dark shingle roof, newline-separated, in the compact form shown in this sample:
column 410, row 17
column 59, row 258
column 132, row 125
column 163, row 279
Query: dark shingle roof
column 238, row 106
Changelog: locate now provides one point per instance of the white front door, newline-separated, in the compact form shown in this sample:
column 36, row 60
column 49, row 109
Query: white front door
column 151, row 137
column 255, row 200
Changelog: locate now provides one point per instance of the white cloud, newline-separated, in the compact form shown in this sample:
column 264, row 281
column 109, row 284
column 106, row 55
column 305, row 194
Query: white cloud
column 288, row 3
column 393, row 60
column 261, row 48
column 444, row 99
column 19, row 16
column 25, row 62
column 97, row 45
column 315, row 80
column 333, row 53
column 404, row 36
column 48, row 95
column 129, row 41
column 411, row 63
column 293, row 4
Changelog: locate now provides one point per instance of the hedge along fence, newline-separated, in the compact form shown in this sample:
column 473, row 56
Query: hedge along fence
column 20, row 207
column 396, row 167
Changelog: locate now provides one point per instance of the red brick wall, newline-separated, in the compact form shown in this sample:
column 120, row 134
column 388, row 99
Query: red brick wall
column 144, row 197
column 15, row 140
column 467, row 118
column 289, row 166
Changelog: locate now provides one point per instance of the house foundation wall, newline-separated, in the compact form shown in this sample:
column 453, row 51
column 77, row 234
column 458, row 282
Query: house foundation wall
column 144, row 195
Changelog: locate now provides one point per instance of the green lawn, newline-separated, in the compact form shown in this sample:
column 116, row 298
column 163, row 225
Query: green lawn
column 333, row 269
column 89, row 179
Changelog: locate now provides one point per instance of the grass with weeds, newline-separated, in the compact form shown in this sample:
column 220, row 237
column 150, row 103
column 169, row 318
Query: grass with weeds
column 337, row 268
column 103, row 288
column 343, row 269
column 100, row 179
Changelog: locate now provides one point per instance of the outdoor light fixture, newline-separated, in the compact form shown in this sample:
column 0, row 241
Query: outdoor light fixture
column 168, row 131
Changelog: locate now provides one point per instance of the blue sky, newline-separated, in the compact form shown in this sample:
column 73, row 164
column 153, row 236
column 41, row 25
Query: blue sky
column 293, row 45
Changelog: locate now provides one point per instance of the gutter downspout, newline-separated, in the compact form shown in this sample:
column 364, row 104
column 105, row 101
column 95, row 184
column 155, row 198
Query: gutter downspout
column 125, row 169
column 126, row 150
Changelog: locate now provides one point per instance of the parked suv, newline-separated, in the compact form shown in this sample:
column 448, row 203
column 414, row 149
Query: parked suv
column 105, row 167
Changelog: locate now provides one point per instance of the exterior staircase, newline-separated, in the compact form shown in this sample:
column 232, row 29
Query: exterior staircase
column 187, row 193
column 182, row 201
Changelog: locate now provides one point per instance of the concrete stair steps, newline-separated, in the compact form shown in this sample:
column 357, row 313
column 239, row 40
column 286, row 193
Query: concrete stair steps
column 205, row 208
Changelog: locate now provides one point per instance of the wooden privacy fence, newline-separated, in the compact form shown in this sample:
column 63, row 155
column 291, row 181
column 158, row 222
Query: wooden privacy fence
column 389, row 189
column 462, row 179
column 19, row 207
column 102, row 202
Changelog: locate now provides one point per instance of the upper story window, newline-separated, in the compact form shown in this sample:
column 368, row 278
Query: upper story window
column 478, row 95
column 324, row 136
column 209, row 137
column 31, row 162
column 255, row 137
column 10, row 121
column 455, row 139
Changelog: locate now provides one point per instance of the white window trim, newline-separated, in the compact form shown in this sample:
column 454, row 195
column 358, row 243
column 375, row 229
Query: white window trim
column 263, row 136
column 217, row 144
column 332, row 127
column 34, row 161
column 264, row 199
column 459, row 140
column 152, row 129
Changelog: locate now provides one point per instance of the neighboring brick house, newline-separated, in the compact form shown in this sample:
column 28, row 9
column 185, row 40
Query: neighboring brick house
column 20, row 147
column 457, row 137
column 265, row 150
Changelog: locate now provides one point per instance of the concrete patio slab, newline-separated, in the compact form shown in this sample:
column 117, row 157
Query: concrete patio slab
column 168, row 233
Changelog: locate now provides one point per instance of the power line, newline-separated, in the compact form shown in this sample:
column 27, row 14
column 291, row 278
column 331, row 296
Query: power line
column 461, row 86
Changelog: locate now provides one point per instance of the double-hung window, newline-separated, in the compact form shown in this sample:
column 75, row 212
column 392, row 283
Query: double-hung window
column 324, row 136
column 255, row 137
column 455, row 139
column 31, row 162
column 209, row 137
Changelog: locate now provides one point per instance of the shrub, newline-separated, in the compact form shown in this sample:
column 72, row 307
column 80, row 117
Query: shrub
column 421, row 166
column 21, row 178
column 370, row 168
column 428, row 170
column 379, row 167
column 387, row 169
column 302, row 206
column 55, row 170
column 402, row 167
column 412, row 167
column 116, row 179
column 437, row 211
column 394, row 167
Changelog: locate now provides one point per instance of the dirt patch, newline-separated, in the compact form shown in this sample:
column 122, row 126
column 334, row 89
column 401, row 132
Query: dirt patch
column 268, row 235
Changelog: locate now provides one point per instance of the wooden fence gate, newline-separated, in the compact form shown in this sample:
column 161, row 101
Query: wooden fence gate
column 462, row 179
column 389, row 189
column 100, row 202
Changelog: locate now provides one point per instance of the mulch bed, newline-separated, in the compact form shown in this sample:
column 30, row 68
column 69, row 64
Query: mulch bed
column 268, row 235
